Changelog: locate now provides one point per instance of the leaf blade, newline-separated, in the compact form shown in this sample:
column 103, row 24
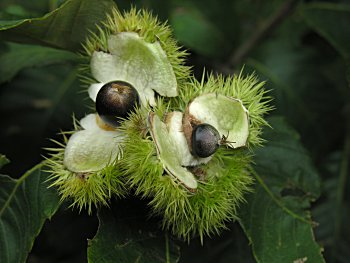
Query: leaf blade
column 324, row 18
column 195, row 31
column 25, row 204
column 125, row 237
column 19, row 56
column 66, row 27
column 275, row 218
column 3, row 160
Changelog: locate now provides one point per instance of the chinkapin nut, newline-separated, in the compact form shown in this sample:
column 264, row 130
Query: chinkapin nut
column 183, row 144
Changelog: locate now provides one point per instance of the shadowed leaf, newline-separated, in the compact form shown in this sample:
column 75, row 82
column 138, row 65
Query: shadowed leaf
column 25, row 204
column 66, row 27
column 274, row 218
column 125, row 236
column 194, row 31
column 3, row 160
column 17, row 57
column 331, row 21
column 324, row 18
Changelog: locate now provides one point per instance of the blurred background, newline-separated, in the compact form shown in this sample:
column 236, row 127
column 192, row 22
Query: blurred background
column 300, row 48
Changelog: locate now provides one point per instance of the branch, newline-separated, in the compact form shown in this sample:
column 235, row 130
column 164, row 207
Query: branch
column 266, row 27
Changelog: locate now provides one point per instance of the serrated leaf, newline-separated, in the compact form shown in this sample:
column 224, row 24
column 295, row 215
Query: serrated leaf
column 275, row 234
column 19, row 56
column 274, row 218
column 125, row 238
column 66, row 27
column 25, row 204
column 285, row 162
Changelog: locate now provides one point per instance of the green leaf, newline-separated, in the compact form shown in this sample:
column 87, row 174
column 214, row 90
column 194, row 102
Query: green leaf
column 332, row 22
column 275, row 218
column 35, row 106
column 284, row 161
column 25, row 204
column 334, row 210
column 13, row 12
column 17, row 57
column 66, row 27
column 290, row 70
column 125, row 237
column 334, row 230
column 18, row 9
column 230, row 246
column 193, row 30
column 3, row 160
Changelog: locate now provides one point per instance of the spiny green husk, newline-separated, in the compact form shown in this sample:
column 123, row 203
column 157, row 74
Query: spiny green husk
column 186, row 214
column 146, row 26
column 85, row 190
column 247, row 89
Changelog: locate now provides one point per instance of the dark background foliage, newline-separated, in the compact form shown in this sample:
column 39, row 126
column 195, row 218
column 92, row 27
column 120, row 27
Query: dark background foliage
column 300, row 48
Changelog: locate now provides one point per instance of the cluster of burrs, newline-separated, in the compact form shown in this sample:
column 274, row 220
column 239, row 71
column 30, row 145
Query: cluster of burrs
column 183, row 144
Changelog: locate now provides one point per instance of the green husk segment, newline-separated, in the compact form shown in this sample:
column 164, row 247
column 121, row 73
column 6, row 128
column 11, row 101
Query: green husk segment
column 87, row 187
column 214, row 203
column 167, row 153
column 144, row 65
column 223, row 180
column 150, row 63
column 248, row 89
column 90, row 151
column 149, row 30
column 86, row 190
column 185, row 214
column 226, row 114
column 145, row 59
